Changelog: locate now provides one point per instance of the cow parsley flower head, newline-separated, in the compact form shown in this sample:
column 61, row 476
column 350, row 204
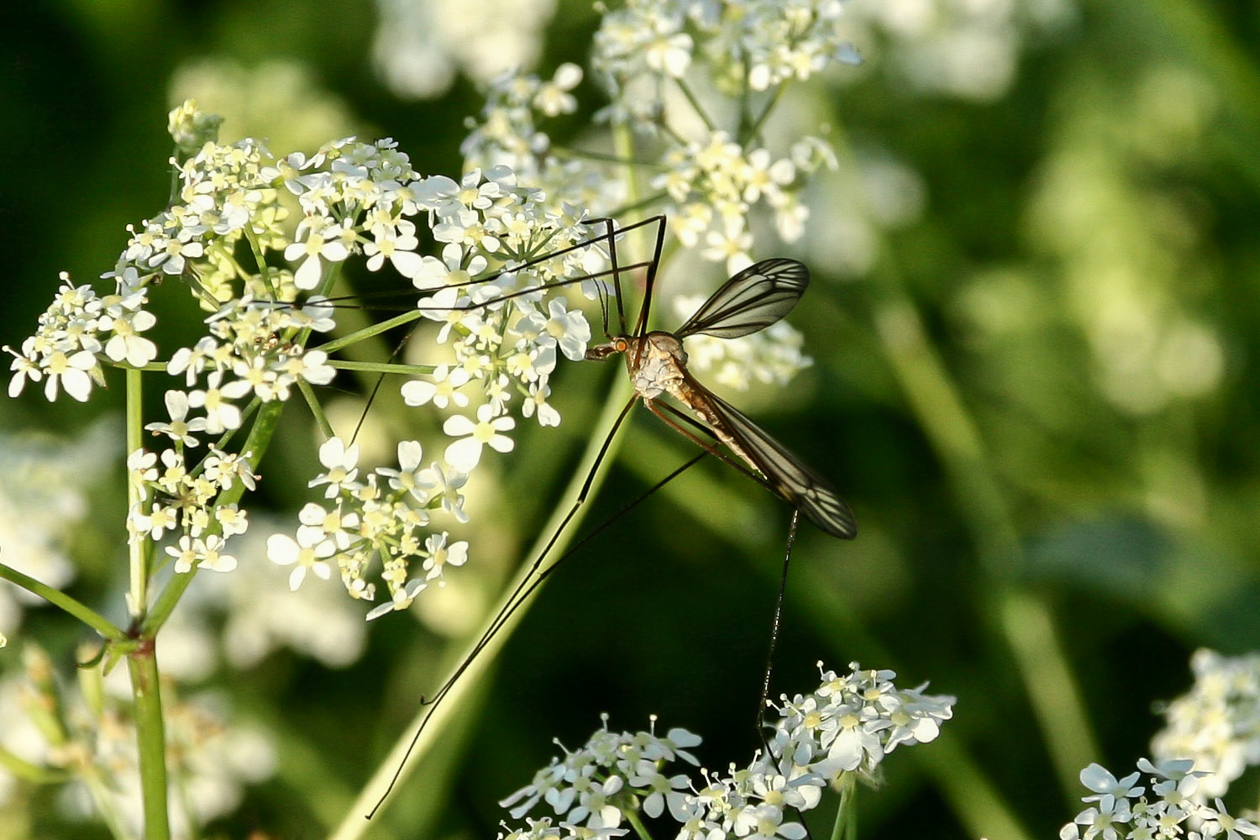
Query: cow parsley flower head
column 1157, row 801
column 852, row 722
column 505, row 287
column 615, row 774
column 1217, row 722
column 697, row 80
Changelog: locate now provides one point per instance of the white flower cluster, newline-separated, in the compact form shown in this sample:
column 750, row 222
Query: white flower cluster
column 355, row 198
column 509, row 133
column 846, row 726
column 1217, row 723
column 501, row 288
column 756, row 44
column 771, row 356
column 669, row 66
column 381, row 516
column 1124, row 810
column 85, row 731
column 76, row 329
column 852, row 721
column 176, row 499
column 505, row 327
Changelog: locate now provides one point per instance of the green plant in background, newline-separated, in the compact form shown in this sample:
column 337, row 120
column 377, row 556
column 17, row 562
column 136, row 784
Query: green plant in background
column 511, row 253
column 1035, row 377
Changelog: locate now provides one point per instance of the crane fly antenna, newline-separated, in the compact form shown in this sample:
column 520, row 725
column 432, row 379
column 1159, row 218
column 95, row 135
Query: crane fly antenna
column 416, row 310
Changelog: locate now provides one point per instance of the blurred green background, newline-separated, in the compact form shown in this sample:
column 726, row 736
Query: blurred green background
column 1032, row 324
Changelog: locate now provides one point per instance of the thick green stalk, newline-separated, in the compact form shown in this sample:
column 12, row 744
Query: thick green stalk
column 845, row 827
column 150, row 739
column 142, row 660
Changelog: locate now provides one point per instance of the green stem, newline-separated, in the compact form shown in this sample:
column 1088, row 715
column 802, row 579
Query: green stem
column 393, row 368
column 367, row 332
column 139, row 550
column 695, row 104
column 632, row 817
column 150, row 739
column 747, row 139
column 80, row 611
column 317, row 411
column 845, row 827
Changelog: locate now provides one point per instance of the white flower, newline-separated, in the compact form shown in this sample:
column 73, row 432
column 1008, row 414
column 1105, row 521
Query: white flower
column 203, row 553
column 1098, row 779
column 74, row 373
column 464, row 454
column 765, row 822
column 179, row 428
column 221, row 414
column 439, row 555
column 409, row 477
column 442, row 391
column 342, row 465
column 126, row 345
column 283, row 550
column 537, row 401
column 323, row 242
column 399, row 249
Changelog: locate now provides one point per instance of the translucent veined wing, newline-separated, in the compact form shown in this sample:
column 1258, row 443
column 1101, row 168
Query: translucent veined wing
column 750, row 301
column 786, row 475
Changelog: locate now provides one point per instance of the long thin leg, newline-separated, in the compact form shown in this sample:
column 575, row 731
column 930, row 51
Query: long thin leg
column 530, row 582
column 640, row 327
column 615, row 271
column 778, row 617
column 659, row 221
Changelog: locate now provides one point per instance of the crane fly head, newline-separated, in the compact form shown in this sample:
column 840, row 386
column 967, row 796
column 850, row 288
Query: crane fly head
column 616, row 344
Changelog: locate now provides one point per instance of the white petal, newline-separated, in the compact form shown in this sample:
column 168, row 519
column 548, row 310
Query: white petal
column 457, row 425
column 464, row 454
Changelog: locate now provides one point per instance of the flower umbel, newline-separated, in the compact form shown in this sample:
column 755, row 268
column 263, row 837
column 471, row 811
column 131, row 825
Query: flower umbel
column 1163, row 805
column 1216, row 723
column 616, row 773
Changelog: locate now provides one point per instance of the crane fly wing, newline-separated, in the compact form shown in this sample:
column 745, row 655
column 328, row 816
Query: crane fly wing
column 750, row 301
column 786, row 475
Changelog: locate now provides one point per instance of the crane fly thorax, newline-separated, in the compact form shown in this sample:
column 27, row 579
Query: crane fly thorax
column 656, row 362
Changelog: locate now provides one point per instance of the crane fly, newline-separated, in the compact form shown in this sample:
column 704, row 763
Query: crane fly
column 752, row 300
